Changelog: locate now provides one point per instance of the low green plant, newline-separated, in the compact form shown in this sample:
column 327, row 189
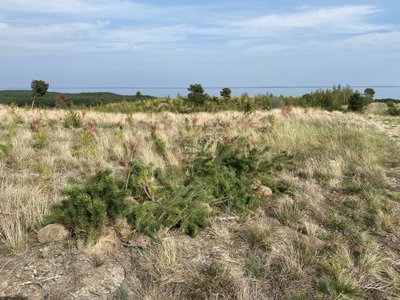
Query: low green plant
column 257, row 237
column 337, row 223
column 393, row 109
column 85, row 143
column 255, row 267
column 44, row 171
column 72, row 120
column 336, row 280
column 188, row 208
column 138, row 180
column 121, row 293
column 6, row 146
column 209, row 182
column 212, row 279
column 357, row 102
column 91, row 205
column 41, row 140
column 160, row 147
column 16, row 117
column 288, row 213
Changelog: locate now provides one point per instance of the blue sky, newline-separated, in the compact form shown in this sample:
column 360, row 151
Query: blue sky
column 216, row 43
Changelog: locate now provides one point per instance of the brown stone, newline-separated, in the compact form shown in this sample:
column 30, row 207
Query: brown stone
column 261, row 190
column 52, row 233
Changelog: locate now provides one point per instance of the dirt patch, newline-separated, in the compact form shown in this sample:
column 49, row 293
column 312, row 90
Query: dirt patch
column 60, row 271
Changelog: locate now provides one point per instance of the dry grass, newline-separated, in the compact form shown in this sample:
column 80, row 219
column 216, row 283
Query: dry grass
column 335, row 234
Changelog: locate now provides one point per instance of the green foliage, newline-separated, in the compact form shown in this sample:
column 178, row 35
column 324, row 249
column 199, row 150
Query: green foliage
column 196, row 94
column 210, row 181
column 89, row 206
column 212, row 280
column 138, row 182
column 227, row 173
column 257, row 237
column 160, row 147
column 330, row 99
column 393, row 109
column 39, row 89
column 85, row 143
column 186, row 209
column 226, row 93
column 337, row 223
column 358, row 103
column 72, row 120
column 6, row 146
column 336, row 280
column 369, row 92
column 255, row 267
column 54, row 99
column 121, row 293
column 288, row 212
column 43, row 170
column 41, row 140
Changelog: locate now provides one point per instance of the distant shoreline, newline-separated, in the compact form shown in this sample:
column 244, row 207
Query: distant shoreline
column 382, row 91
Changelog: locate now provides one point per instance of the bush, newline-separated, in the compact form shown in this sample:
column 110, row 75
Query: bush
column 72, row 120
column 196, row 94
column 91, row 205
column 393, row 109
column 208, row 183
column 358, row 102
column 138, row 181
column 186, row 198
column 41, row 140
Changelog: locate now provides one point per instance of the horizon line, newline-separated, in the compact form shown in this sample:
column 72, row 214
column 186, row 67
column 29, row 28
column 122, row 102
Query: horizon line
column 213, row 87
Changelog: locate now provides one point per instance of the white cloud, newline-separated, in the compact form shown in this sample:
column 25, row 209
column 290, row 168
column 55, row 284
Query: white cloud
column 62, row 6
column 387, row 41
column 347, row 19
column 119, row 26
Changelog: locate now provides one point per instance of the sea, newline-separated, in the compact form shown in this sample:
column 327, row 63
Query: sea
column 381, row 91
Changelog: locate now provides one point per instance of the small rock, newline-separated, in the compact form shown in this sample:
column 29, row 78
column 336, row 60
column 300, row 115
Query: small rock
column 44, row 252
column 142, row 241
column 262, row 190
column 52, row 233
column 123, row 228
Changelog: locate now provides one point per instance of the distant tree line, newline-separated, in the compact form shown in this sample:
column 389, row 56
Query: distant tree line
column 337, row 98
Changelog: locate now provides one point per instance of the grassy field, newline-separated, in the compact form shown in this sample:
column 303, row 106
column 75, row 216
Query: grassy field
column 330, row 229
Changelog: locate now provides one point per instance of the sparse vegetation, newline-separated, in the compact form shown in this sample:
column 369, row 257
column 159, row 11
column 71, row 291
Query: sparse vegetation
column 291, row 203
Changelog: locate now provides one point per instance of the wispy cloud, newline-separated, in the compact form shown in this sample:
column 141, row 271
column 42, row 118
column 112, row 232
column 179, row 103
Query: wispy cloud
column 101, row 25
column 43, row 7
column 347, row 19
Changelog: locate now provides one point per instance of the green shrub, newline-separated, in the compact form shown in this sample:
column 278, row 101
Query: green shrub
column 41, row 140
column 358, row 102
column 393, row 109
column 160, row 147
column 210, row 181
column 89, row 206
column 85, row 143
column 138, row 182
column 72, row 120
column 186, row 208
column 121, row 293
column 6, row 146
column 255, row 267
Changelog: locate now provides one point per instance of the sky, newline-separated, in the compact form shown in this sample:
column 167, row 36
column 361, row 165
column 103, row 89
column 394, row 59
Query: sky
column 108, row 43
